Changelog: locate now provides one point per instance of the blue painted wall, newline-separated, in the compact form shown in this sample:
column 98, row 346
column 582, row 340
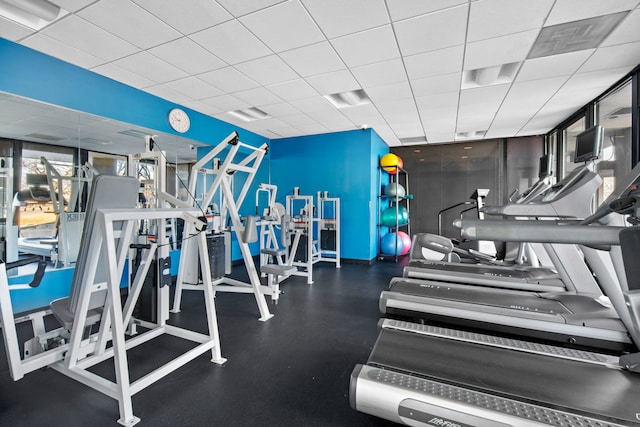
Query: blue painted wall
column 344, row 164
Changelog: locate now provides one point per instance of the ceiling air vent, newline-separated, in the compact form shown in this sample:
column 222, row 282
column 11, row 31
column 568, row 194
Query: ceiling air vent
column 45, row 137
column 574, row 36
column 414, row 140
column 134, row 133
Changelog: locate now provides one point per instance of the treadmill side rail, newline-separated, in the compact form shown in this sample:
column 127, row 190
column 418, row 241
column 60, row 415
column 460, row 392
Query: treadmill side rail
column 416, row 401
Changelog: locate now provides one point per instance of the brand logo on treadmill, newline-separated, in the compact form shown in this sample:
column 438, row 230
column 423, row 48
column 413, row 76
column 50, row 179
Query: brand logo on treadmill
column 441, row 422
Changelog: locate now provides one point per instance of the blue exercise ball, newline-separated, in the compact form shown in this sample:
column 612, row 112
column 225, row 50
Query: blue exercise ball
column 391, row 244
column 393, row 189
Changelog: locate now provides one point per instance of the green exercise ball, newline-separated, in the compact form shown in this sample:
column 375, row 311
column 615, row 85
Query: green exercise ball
column 388, row 216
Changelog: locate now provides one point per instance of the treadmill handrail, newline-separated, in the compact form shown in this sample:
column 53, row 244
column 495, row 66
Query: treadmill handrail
column 538, row 232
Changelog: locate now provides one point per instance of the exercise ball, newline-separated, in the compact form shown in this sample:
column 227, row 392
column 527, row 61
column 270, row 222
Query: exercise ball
column 388, row 216
column 393, row 189
column 391, row 244
column 390, row 163
column 406, row 242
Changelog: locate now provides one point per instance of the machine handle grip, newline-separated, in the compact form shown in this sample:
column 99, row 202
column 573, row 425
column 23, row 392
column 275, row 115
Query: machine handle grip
column 37, row 277
column 22, row 262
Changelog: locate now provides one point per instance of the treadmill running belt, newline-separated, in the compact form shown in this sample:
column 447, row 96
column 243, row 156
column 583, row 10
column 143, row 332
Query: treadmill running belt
column 566, row 385
column 525, row 302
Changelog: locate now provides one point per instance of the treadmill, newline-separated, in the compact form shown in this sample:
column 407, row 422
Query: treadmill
column 595, row 320
column 569, row 198
column 434, row 375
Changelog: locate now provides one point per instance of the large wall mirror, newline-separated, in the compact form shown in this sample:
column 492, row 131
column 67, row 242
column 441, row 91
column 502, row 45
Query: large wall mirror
column 48, row 154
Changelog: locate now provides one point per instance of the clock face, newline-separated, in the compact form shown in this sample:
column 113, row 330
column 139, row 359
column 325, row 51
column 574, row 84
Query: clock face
column 179, row 120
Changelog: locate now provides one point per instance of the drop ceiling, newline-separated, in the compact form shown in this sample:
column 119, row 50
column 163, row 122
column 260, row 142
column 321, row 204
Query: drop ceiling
column 417, row 61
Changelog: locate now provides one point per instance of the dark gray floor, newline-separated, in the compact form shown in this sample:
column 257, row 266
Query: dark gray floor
column 290, row 371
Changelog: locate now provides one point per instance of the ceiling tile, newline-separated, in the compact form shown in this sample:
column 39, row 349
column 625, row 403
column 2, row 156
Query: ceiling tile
column 281, row 109
column 367, row 47
column 407, row 130
column 337, row 81
column 338, row 18
column 152, row 68
column 298, row 120
column 231, row 42
column 524, row 100
column 202, row 107
column 333, row 119
column 401, row 110
column 188, row 56
column 434, row 31
column 389, row 92
column 293, row 90
column 199, row 15
column 193, row 88
column 239, row 8
column 494, row 18
column 121, row 75
column 595, row 79
column 499, row 50
column 226, row 103
column 402, row 9
column 12, row 31
column 275, row 25
column 438, row 84
column 94, row 40
column 436, row 63
column 551, row 66
column 621, row 55
column 314, row 104
column 380, row 73
column 574, row 10
column 318, row 58
column 257, row 97
column 626, row 32
column 267, row 70
column 485, row 96
column 440, row 100
column 228, row 80
column 129, row 22
column 362, row 115
column 53, row 47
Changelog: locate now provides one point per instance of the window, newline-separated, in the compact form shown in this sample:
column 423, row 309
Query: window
column 613, row 113
column 35, row 215
column 569, row 134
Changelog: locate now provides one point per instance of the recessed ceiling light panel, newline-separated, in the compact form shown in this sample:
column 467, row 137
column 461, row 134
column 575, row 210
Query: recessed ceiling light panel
column 348, row 99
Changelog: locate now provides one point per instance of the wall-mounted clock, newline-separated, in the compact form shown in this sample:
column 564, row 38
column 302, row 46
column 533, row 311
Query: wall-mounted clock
column 179, row 120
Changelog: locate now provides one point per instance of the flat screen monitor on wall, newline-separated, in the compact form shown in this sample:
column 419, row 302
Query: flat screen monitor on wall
column 546, row 166
column 589, row 144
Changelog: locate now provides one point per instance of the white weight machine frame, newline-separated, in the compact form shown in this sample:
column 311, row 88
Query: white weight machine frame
column 74, row 357
column 158, row 188
column 222, row 174
column 329, row 206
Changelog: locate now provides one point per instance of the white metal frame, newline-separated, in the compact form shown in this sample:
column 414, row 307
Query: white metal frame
column 74, row 358
column 329, row 219
column 159, row 186
column 222, row 173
